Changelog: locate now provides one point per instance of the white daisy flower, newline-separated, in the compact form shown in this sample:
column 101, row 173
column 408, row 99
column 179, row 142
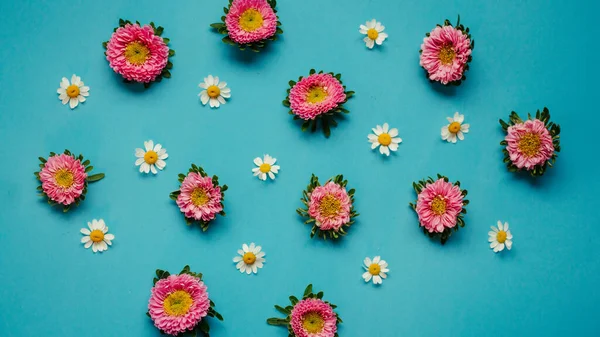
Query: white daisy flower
column 374, row 32
column 375, row 270
column 250, row 259
column 456, row 128
column 73, row 92
column 96, row 236
column 499, row 237
column 154, row 157
column 384, row 137
column 266, row 166
column 214, row 91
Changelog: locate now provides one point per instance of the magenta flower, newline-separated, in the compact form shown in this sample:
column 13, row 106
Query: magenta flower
column 139, row 53
column 446, row 52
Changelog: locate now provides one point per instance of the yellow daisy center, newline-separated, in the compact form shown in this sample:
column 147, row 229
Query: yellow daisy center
column 213, row 91
column 372, row 34
column 529, row 144
column 265, row 168
column 150, row 157
column 316, row 94
column 96, row 235
column 178, row 303
column 384, row 139
column 447, row 54
column 501, row 236
column 330, row 206
column 438, row 205
column 199, row 197
column 312, row 322
column 454, row 127
column 72, row 91
column 64, row 178
column 251, row 20
column 374, row 269
column 249, row 258
column 136, row 53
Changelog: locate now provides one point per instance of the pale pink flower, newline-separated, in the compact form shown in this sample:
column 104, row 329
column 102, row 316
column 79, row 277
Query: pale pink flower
column 178, row 303
column 199, row 198
column 250, row 21
column 529, row 144
column 313, row 317
column 330, row 206
column 438, row 206
column 63, row 178
column 445, row 52
column 137, row 53
column 315, row 95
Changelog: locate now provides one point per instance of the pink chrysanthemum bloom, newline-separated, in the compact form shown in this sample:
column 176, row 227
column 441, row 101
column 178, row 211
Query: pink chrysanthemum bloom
column 199, row 198
column 445, row 53
column 529, row 144
column 137, row 53
column 313, row 317
column 250, row 21
column 330, row 206
column 439, row 205
column 63, row 178
column 315, row 95
column 178, row 303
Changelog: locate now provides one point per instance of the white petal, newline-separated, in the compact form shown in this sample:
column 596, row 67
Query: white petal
column 386, row 127
column 271, row 175
column 367, row 276
column 369, row 43
column 262, row 176
column 203, row 85
column 73, row 103
column 386, row 150
column 85, row 231
column 221, row 99
column 506, row 226
column 74, row 79
column 85, row 239
column 464, row 128
column 157, row 148
column 377, row 279
column 460, row 135
column 374, row 145
column 216, row 81
column 237, row 259
column 149, row 145
column 160, row 164
column 379, row 27
column 508, row 244
column 367, row 261
column 109, row 237
column 258, row 161
column 64, row 83
column 393, row 132
column 153, row 169
column 393, row 146
column 396, row 140
column 88, row 244
column 139, row 153
column 204, row 97
column 254, row 269
column 222, row 85
column 214, row 103
column 209, row 80
column 245, row 248
column 81, row 99
column 95, row 247
column 376, row 259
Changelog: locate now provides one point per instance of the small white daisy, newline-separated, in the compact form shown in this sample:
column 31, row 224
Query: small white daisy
column 384, row 137
column 154, row 157
column 73, row 92
column 374, row 32
column 214, row 91
column 250, row 259
column 265, row 166
column 456, row 128
column 96, row 236
column 375, row 270
column 499, row 237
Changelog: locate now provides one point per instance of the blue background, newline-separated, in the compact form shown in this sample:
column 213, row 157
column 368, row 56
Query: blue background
column 529, row 54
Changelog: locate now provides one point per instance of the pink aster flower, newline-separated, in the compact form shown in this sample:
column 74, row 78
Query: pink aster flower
column 315, row 95
column 63, row 178
column 137, row 53
column 330, row 206
column 250, row 21
column 199, row 198
column 529, row 144
column 445, row 53
column 313, row 317
column 178, row 303
column 438, row 206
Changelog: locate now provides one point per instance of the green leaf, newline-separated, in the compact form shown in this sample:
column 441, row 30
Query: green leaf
column 308, row 290
column 89, row 168
column 95, row 177
column 167, row 74
column 158, row 31
column 277, row 321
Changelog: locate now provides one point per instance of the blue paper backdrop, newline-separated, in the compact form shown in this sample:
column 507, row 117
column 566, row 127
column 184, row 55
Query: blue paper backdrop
column 528, row 54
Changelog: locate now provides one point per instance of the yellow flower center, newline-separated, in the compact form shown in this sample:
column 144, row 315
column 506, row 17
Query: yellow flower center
column 447, row 54
column 265, row 168
column 249, row 258
column 96, row 235
column 177, row 303
column 372, row 34
column 72, row 91
column 150, row 157
column 438, row 205
column 316, row 94
column 501, row 236
column 64, row 178
column 136, row 53
column 213, row 91
column 529, row 144
column 312, row 322
column 199, row 197
column 374, row 269
column 454, row 127
column 330, row 206
column 251, row 20
column 384, row 139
